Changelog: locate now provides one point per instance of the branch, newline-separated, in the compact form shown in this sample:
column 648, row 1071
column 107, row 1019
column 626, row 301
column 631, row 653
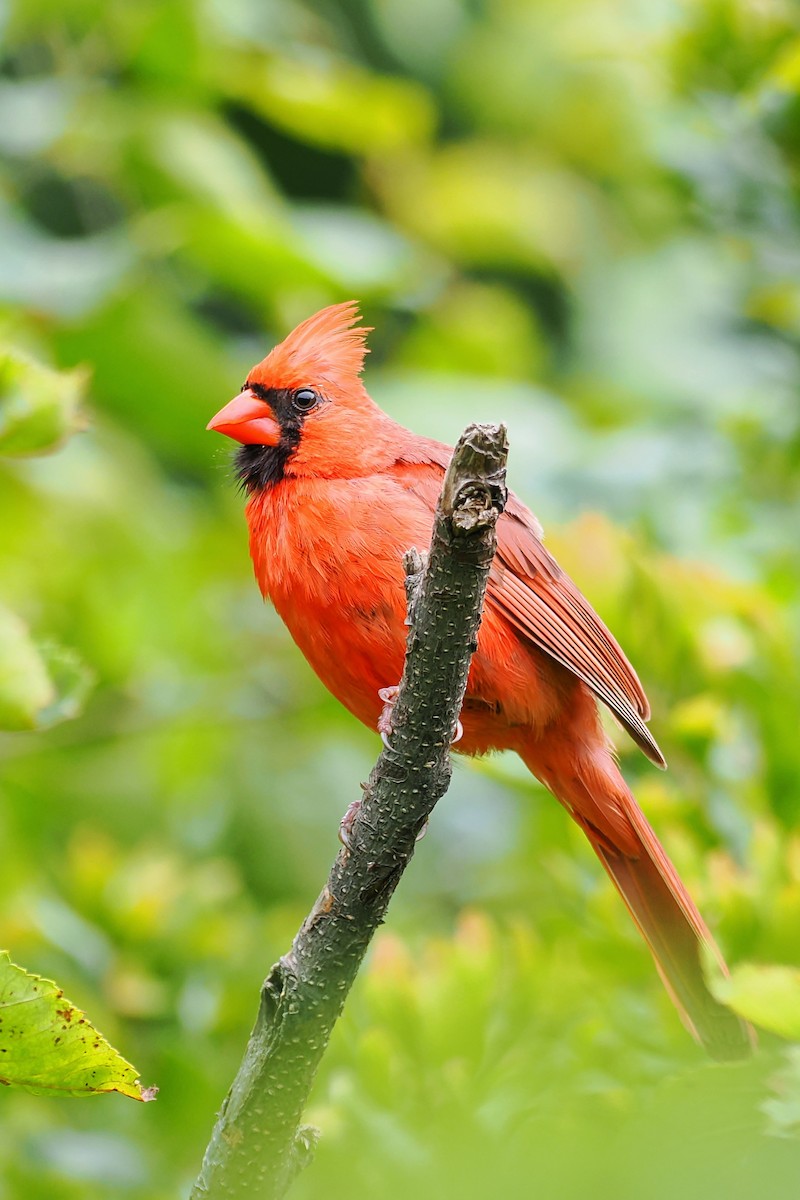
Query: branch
column 258, row 1145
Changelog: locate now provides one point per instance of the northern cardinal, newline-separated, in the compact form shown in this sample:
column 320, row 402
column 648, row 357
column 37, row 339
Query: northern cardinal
column 337, row 492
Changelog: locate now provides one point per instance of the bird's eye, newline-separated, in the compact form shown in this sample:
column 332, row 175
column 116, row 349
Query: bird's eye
column 304, row 399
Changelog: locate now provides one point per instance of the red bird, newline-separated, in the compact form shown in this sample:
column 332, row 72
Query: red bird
column 337, row 492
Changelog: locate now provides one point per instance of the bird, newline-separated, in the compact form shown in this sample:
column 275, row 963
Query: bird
column 337, row 491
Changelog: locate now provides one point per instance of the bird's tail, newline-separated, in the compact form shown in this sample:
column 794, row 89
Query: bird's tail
column 656, row 898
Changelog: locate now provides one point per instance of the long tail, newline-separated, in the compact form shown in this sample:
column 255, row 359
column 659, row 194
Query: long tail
column 599, row 800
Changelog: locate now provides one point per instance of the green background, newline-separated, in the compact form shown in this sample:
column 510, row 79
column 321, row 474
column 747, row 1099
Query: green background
column 579, row 216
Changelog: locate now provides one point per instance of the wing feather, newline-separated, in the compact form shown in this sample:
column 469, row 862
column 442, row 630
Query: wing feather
column 532, row 591
column 541, row 600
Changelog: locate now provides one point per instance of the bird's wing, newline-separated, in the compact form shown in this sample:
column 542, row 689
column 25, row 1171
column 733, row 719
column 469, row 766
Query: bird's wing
column 527, row 585
column 540, row 599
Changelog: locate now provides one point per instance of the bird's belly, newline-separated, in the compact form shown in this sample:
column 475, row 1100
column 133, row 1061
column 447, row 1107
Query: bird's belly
column 355, row 647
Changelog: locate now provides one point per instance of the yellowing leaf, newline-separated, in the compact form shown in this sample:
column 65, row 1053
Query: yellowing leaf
column 47, row 1045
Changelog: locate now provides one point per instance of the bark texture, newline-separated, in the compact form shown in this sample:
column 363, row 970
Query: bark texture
column 258, row 1144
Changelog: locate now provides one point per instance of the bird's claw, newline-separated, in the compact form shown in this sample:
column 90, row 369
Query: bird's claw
column 346, row 824
column 388, row 695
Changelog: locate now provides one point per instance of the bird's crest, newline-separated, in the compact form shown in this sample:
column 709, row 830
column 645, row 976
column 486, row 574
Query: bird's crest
column 327, row 348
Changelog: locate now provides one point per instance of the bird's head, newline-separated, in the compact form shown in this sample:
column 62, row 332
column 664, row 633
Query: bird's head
column 303, row 410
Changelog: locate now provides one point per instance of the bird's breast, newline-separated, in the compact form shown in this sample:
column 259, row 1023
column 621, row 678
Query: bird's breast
column 328, row 554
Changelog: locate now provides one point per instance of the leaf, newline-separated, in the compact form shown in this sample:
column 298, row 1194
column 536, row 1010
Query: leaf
column 336, row 104
column 767, row 995
column 39, row 408
column 47, row 1046
column 73, row 681
column 784, row 72
column 25, row 684
column 782, row 1107
column 40, row 685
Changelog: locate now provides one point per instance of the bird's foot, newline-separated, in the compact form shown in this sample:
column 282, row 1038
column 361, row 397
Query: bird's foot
column 389, row 696
column 346, row 824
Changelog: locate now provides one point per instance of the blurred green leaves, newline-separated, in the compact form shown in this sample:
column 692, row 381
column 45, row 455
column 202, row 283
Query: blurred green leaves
column 326, row 100
column 39, row 408
column 40, row 684
column 766, row 995
column 26, row 689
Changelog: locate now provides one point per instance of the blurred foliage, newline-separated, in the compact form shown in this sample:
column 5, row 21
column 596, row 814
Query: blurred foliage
column 38, row 407
column 39, row 684
column 583, row 218
column 765, row 994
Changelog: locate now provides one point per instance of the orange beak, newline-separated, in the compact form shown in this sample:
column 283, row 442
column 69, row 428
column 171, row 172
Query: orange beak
column 248, row 420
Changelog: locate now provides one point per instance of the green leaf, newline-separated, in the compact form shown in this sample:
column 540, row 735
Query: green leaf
column 39, row 408
column 72, row 680
column 784, row 72
column 26, row 688
column 47, row 1046
column 767, row 995
column 334, row 103
column 39, row 685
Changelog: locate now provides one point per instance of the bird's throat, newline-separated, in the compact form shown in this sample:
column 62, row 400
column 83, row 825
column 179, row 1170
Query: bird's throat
column 259, row 468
